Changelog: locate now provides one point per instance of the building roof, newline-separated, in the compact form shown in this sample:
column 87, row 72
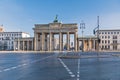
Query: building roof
column 109, row 30
column 24, row 38
column 87, row 37
column 15, row 32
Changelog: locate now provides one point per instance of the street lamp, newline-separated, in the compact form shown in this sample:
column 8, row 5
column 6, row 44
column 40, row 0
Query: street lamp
column 82, row 26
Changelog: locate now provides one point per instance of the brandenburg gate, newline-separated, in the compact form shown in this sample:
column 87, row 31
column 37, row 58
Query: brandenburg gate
column 44, row 35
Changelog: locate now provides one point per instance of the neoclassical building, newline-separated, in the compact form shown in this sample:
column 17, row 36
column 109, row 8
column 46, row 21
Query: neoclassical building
column 110, row 39
column 44, row 33
column 7, row 38
column 44, row 38
column 88, row 43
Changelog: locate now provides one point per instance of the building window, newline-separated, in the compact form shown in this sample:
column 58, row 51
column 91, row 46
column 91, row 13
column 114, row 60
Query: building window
column 108, row 41
column 111, row 32
column 102, row 41
column 114, row 41
column 102, row 37
column 105, row 32
column 102, row 47
column 102, row 32
column 117, row 32
column 105, row 37
column 108, row 32
column 114, row 32
column 105, row 47
column 114, row 47
column 19, row 34
column 108, row 46
column 12, row 42
column 114, row 37
column 108, row 37
column 105, row 41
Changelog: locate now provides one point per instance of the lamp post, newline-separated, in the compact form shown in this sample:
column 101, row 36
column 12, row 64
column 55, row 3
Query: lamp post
column 97, row 30
column 18, row 42
column 82, row 26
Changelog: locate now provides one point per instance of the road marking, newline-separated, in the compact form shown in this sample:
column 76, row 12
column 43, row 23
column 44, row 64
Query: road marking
column 65, row 66
column 13, row 67
column 24, row 64
column 7, row 69
column 78, row 70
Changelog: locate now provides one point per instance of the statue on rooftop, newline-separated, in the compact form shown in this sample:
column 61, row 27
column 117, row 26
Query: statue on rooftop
column 56, row 20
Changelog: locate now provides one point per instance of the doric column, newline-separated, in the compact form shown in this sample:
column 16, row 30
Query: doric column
column 23, row 45
column 53, row 42
column 68, row 41
column 78, row 45
column 60, row 41
column 90, row 44
column 18, row 44
column 14, row 45
column 84, row 45
column 94, row 44
column 50, row 41
column 35, row 40
column 43, row 41
column 32, row 44
column 75, row 41
column 48, row 44
column 40, row 42
column 28, row 45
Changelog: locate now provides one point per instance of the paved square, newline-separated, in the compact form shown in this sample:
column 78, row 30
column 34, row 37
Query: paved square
column 34, row 66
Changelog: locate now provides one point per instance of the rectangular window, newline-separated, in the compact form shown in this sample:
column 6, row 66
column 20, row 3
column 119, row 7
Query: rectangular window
column 108, row 41
column 105, row 37
column 102, row 47
column 105, row 47
column 114, row 36
column 105, row 41
column 102, row 37
column 102, row 41
column 115, row 41
column 114, row 47
column 108, row 46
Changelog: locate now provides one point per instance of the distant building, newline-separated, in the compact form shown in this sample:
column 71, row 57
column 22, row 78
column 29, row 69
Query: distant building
column 110, row 39
column 24, row 44
column 87, row 43
column 1, row 28
column 7, row 38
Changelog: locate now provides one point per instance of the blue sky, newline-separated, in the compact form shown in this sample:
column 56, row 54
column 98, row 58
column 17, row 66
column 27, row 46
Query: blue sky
column 21, row 15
